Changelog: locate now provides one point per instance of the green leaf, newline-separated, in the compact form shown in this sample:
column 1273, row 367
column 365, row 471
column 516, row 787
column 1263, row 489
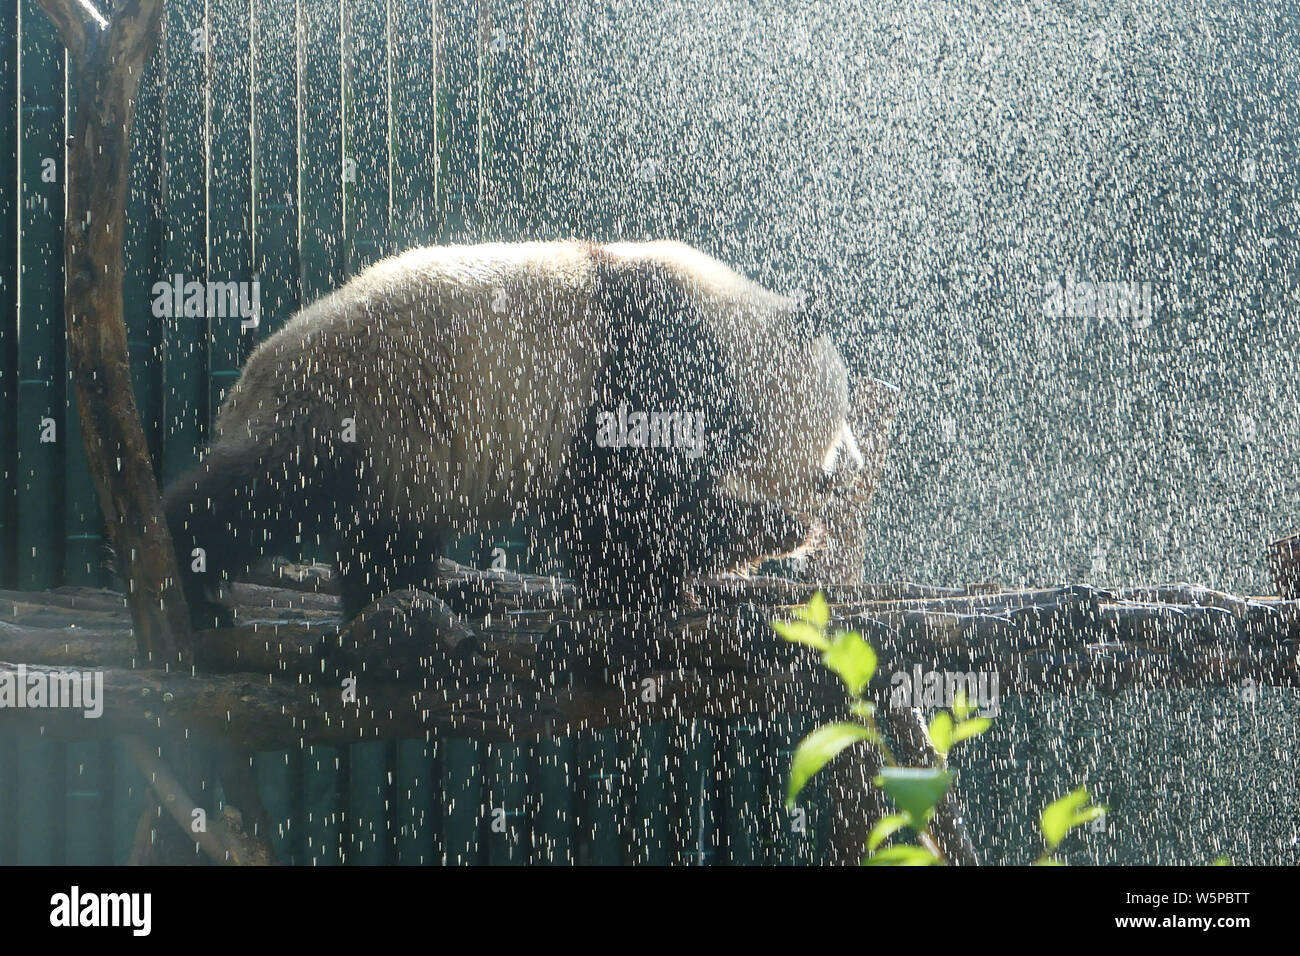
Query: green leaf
column 915, row 790
column 885, row 828
column 1048, row 861
column 816, row 612
column 970, row 728
column 852, row 658
column 1063, row 815
column 961, row 705
column 801, row 632
column 941, row 733
column 904, row 855
column 1221, row 861
column 817, row 749
column 864, row 709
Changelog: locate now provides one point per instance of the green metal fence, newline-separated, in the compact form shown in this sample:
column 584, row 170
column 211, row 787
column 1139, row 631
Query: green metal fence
column 292, row 142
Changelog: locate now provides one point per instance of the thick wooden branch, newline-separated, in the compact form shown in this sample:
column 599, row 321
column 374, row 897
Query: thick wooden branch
column 223, row 839
column 109, row 65
column 74, row 23
column 528, row 663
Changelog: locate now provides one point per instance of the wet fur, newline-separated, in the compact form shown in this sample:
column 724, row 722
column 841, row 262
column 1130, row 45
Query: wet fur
column 637, row 523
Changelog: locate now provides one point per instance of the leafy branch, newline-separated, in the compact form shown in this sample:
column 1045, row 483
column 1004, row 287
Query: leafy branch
column 914, row 791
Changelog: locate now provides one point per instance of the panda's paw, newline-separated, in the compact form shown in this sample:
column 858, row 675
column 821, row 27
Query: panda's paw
column 206, row 613
column 815, row 539
column 795, row 535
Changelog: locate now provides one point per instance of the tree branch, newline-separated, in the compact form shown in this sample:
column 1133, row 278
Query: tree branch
column 222, row 839
column 108, row 78
column 73, row 20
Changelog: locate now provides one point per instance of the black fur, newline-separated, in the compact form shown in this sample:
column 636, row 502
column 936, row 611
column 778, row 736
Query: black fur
column 641, row 521
column 244, row 501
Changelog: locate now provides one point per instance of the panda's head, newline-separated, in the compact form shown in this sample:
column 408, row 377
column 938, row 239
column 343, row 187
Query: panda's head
column 796, row 395
column 792, row 385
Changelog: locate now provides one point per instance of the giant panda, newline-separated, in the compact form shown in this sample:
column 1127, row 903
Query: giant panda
column 451, row 388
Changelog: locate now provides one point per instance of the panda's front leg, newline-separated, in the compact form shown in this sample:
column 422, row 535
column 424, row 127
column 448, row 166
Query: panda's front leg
column 365, row 562
column 221, row 514
column 379, row 554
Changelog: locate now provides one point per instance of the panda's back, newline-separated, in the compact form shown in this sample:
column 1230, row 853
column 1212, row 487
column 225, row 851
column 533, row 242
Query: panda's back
column 463, row 370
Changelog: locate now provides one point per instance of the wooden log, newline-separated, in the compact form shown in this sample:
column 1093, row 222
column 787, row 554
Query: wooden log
column 762, row 589
column 224, row 839
column 520, row 672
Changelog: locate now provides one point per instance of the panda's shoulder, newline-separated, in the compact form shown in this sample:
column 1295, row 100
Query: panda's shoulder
column 674, row 258
column 476, row 265
column 708, row 280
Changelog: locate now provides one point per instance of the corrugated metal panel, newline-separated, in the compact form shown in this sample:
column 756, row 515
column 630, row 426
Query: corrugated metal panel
column 275, row 160
column 8, row 290
column 40, row 426
column 230, row 185
column 186, row 338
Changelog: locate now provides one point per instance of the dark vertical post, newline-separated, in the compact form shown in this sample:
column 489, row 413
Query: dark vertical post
column 744, row 780
column 8, row 289
column 41, row 424
column 509, row 828
column 462, row 789
column 274, row 774
column 39, row 773
column 650, row 796
column 86, row 806
column 696, row 795
column 417, row 817
column 323, row 803
column 186, row 36
column 369, row 843
column 555, row 770
column 602, row 780
column 230, row 188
